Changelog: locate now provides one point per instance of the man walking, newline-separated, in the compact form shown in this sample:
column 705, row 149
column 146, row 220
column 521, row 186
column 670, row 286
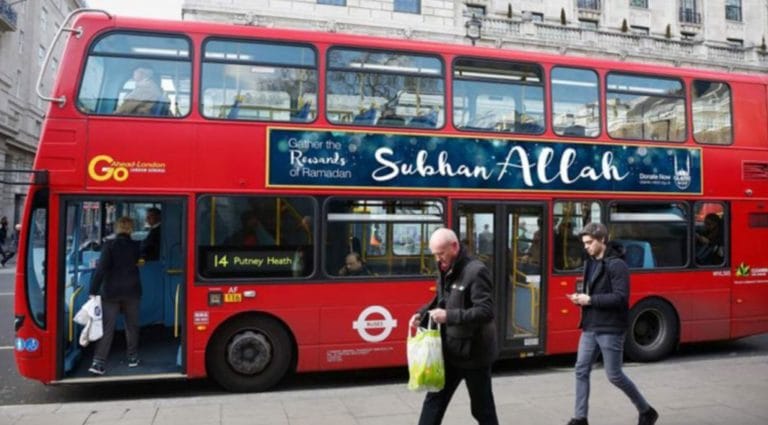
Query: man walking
column 604, row 317
column 464, row 306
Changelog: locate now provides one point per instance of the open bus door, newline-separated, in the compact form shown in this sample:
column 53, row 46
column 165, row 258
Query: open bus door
column 87, row 222
column 507, row 237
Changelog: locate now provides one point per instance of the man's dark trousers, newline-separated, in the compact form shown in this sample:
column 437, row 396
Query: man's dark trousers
column 480, row 394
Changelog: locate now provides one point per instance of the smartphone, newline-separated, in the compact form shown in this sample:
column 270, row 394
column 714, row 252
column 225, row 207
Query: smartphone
column 579, row 285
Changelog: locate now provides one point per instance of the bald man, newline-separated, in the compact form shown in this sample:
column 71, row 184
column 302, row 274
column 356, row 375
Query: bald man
column 464, row 307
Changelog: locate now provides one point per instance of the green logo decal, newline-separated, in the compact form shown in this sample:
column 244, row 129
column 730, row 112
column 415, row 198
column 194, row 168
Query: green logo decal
column 742, row 270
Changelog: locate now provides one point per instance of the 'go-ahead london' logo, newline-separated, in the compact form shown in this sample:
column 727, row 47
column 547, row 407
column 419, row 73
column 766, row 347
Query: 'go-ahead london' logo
column 362, row 324
column 104, row 167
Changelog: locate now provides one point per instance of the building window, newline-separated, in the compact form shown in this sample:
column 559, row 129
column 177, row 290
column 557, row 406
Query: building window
column 733, row 10
column 43, row 20
column 688, row 12
column 54, row 64
column 21, row 41
column 712, row 120
column 587, row 25
column 333, row 2
column 40, row 55
column 408, row 6
column 640, row 30
column 537, row 17
column 475, row 10
column 639, row 3
column 589, row 4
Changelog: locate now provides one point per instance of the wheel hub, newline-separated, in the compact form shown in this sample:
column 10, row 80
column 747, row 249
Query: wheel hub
column 249, row 353
column 648, row 328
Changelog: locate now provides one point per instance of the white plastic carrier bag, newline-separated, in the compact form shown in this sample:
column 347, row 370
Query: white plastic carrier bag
column 89, row 316
column 426, row 368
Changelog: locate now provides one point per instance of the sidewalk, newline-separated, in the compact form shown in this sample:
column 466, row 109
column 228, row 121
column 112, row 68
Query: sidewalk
column 730, row 390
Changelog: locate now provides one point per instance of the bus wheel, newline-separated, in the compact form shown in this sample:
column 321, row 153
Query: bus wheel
column 249, row 354
column 653, row 331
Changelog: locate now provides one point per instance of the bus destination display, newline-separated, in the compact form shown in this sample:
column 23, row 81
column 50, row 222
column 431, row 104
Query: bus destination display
column 223, row 261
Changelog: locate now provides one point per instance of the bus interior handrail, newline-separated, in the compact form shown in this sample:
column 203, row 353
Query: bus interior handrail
column 63, row 28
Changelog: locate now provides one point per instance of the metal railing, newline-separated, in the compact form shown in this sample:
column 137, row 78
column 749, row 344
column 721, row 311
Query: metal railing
column 689, row 16
column 589, row 4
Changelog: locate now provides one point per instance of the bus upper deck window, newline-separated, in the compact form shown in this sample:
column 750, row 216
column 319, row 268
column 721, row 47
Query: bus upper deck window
column 137, row 74
column 575, row 102
column 645, row 108
column 259, row 80
column 385, row 89
column 498, row 96
column 712, row 120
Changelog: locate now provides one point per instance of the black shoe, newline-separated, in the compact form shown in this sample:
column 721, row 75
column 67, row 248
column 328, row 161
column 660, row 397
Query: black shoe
column 648, row 417
column 580, row 421
column 97, row 368
column 133, row 361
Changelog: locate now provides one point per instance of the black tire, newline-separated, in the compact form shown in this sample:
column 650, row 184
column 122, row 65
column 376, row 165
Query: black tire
column 653, row 331
column 249, row 353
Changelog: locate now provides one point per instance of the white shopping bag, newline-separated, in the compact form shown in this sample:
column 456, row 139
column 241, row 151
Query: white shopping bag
column 89, row 316
column 426, row 368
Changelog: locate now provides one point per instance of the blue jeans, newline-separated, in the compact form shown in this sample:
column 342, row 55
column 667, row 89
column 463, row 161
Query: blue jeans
column 612, row 348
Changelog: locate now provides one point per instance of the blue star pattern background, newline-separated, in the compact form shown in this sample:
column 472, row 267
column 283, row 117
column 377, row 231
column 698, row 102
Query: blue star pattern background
column 358, row 159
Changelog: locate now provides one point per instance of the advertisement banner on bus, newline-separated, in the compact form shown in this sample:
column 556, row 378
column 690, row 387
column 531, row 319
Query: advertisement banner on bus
column 388, row 160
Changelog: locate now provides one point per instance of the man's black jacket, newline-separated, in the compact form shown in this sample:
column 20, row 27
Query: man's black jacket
column 608, row 289
column 466, row 293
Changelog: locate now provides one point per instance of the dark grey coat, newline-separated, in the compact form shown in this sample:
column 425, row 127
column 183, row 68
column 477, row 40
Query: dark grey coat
column 466, row 293
column 608, row 288
column 117, row 274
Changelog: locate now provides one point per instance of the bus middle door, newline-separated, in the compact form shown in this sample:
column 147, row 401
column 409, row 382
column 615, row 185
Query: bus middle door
column 508, row 238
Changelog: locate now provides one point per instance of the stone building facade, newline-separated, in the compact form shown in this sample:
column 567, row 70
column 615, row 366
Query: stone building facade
column 26, row 30
column 719, row 34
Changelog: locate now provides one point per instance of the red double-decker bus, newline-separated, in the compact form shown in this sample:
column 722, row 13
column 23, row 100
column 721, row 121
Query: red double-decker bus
column 299, row 175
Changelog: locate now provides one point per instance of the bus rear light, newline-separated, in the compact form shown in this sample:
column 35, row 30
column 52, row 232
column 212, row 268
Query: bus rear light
column 18, row 322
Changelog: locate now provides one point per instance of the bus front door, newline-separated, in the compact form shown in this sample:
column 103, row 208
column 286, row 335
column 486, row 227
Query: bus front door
column 508, row 238
column 88, row 224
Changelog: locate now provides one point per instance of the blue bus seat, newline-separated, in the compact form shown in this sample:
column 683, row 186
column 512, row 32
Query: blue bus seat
column 366, row 117
column 303, row 113
column 638, row 253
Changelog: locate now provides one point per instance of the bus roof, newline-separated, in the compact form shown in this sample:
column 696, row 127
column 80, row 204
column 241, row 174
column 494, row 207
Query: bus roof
column 246, row 31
